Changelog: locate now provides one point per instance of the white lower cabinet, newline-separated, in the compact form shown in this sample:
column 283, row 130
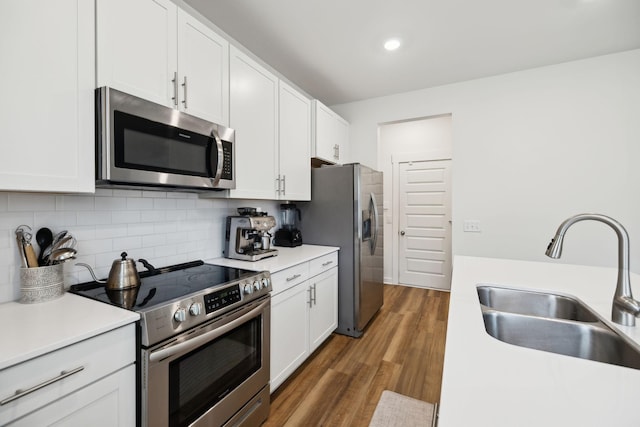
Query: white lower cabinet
column 323, row 309
column 91, row 382
column 304, row 312
column 108, row 402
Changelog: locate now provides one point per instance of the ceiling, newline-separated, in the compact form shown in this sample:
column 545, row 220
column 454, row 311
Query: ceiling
column 332, row 49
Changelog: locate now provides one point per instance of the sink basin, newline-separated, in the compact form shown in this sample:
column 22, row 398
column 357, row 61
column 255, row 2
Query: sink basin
column 593, row 341
column 534, row 303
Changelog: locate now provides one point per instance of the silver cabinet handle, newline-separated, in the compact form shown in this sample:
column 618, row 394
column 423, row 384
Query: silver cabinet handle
column 175, row 88
column 284, row 185
column 184, row 85
column 314, row 294
column 336, row 151
column 278, row 181
column 21, row 393
column 324, row 264
column 294, row 277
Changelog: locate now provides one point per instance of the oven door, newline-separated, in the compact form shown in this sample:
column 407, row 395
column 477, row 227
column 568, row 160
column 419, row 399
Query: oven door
column 210, row 373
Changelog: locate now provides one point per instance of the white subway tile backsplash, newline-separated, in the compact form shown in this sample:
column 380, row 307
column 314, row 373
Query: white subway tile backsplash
column 111, row 231
column 95, row 246
column 55, row 219
column 164, row 228
column 129, row 243
column 186, row 204
column 140, row 229
column 4, row 202
column 125, row 217
column 139, row 203
column 31, row 202
column 110, row 203
column 127, row 193
column 103, row 192
column 154, row 194
column 153, row 240
column 164, row 204
column 153, row 216
column 93, row 217
column 76, row 203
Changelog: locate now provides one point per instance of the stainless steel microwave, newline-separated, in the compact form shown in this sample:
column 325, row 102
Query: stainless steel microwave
column 142, row 144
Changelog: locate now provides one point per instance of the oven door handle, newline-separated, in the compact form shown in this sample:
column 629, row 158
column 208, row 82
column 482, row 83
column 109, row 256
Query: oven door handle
column 195, row 342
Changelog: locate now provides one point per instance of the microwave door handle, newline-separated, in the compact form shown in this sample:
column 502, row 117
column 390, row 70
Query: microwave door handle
column 218, row 173
column 196, row 342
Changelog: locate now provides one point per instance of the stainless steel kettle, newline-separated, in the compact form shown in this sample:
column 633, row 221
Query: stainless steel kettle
column 123, row 274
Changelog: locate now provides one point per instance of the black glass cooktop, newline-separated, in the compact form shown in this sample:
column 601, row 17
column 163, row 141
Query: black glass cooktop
column 162, row 285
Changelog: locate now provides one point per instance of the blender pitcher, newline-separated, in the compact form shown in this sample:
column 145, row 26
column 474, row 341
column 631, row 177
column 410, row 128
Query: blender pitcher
column 289, row 235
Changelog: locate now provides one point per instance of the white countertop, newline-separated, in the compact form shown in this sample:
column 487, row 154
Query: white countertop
column 31, row 330
column 487, row 382
column 287, row 257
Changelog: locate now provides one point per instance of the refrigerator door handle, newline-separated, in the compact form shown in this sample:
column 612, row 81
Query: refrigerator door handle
column 374, row 238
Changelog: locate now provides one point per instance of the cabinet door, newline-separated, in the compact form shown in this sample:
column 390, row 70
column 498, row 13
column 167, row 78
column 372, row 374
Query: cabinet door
column 295, row 144
column 331, row 134
column 47, row 86
column 289, row 332
column 203, row 70
column 323, row 314
column 253, row 113
column 136, row 48
column 108, row 402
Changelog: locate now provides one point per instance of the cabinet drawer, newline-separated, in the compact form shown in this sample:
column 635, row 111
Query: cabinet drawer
column 283, row 280
column 85, row 362
column 323, row 263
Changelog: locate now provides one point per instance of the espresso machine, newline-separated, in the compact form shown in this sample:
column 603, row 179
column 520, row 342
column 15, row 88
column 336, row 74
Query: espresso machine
column 247, row 235
column 289, row 235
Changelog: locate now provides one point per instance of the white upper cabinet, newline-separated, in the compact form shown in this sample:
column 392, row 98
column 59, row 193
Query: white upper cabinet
column 330, row 136
column 253, row 105
column 295, row 145
column 47, row 86
column 136, row 47
column 156, row 51
column 203, row 70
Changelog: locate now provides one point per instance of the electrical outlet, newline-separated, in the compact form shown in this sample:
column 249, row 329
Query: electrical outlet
column 471, row 226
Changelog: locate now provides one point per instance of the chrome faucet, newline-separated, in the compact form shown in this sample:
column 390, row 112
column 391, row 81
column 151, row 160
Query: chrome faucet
column 625, row 309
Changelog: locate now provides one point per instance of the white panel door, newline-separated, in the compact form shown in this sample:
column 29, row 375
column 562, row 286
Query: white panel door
column 425, row 224
column 253, row 114
column 136, row 48
column 295, row 144
column 203, row 70
column 47, row 86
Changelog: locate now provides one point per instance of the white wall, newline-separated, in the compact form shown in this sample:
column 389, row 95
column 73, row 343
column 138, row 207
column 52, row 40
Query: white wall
column 164, row 228
column 422, row 139
column 530, row 149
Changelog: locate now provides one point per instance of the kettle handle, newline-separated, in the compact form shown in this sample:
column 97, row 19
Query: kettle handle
column 82, row 264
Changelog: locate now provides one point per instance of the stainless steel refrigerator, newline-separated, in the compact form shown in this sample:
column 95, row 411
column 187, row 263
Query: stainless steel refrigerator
column 345, row 211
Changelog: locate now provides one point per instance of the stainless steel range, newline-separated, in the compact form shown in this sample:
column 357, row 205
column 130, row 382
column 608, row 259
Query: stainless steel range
column 204, row 357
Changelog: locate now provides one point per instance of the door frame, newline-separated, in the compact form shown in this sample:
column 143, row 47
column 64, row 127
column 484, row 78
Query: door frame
column 396, row 159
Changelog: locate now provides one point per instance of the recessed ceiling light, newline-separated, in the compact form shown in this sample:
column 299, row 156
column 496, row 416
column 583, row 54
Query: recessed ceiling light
column 392, row 44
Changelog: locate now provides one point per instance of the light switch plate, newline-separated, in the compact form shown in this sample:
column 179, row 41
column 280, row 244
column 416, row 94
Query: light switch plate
column 471, row 226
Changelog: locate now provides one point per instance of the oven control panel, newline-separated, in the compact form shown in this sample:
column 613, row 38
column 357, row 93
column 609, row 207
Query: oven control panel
column 222, row 298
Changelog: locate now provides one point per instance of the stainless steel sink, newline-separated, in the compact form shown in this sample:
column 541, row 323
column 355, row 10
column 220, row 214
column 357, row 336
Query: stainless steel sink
column 535, row 303
column 554, row 323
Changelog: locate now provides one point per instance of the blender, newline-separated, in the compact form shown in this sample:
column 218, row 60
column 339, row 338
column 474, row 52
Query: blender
column 289, row 235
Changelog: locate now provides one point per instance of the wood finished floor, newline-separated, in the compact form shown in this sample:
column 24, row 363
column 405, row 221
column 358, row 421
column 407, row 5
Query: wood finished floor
column 402, row 350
